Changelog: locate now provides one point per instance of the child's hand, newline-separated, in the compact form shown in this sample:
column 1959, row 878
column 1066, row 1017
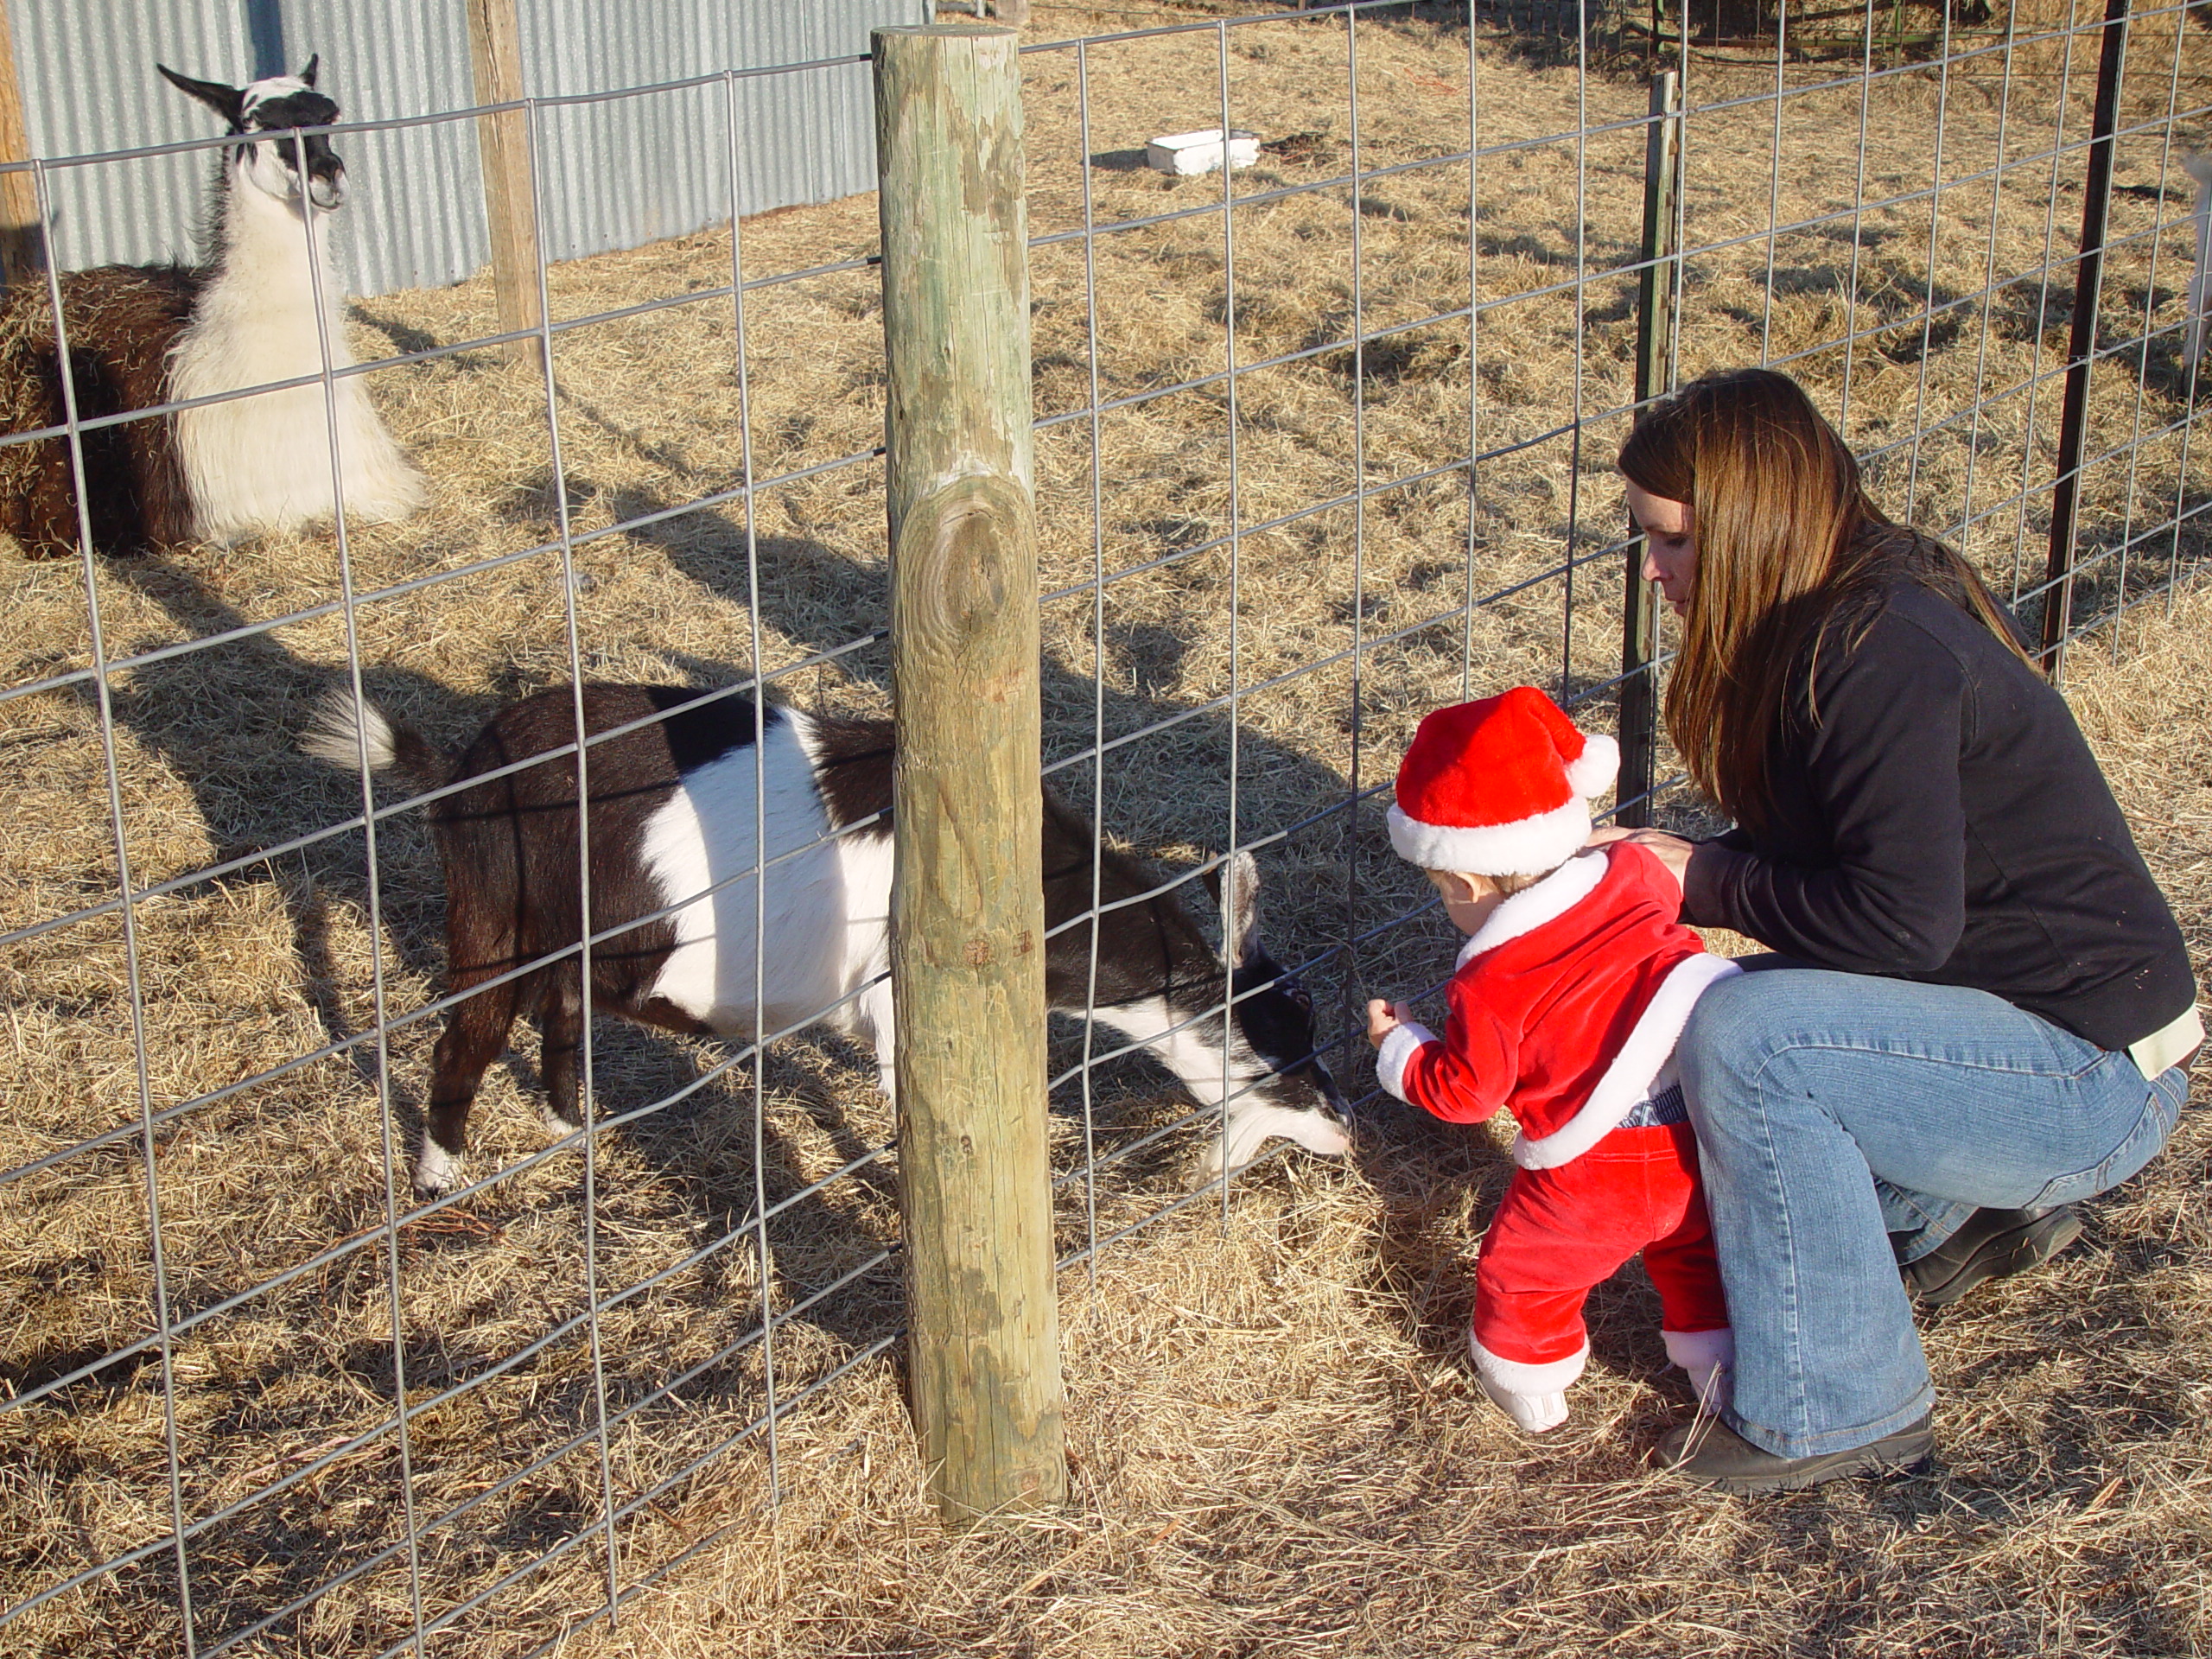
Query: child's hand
column 1383, row 1019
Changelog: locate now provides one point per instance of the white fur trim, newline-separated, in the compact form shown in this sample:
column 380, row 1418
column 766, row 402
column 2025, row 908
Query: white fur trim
column 1628, row 1079
column 1530, row 908
column 1398, row 1048
column 1518, row 1376
column 1538, row 842
column 1592, row 773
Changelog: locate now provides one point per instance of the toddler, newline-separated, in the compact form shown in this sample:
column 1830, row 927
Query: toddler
column 1575, row 980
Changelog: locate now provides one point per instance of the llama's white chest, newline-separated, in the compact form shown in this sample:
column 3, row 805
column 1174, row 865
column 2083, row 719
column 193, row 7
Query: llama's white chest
column 267, row 461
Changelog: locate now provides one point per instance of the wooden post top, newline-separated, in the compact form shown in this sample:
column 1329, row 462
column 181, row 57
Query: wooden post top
column 945, row 31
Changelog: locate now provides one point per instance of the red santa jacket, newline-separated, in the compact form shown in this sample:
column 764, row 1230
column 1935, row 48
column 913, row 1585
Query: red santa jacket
column 1565, row 1007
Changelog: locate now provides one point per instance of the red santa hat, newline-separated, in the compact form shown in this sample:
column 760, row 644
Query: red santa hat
column 1499, row 787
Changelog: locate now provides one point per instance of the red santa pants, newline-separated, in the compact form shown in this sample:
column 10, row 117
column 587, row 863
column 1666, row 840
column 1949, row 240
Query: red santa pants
column 1559, row 1231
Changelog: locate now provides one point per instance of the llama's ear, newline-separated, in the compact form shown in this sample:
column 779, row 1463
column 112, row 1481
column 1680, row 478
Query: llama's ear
column 308, row 73
column 229, row 102
column 1240, row 917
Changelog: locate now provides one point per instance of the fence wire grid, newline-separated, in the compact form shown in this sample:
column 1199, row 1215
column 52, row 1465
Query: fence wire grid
column 1321, row 444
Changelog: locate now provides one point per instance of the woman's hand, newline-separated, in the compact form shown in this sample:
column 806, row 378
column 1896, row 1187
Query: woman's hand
column 1383, row 1019
column 1671, row 850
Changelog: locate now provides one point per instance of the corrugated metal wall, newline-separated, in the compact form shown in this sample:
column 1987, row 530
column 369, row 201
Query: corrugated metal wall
column 615, row 174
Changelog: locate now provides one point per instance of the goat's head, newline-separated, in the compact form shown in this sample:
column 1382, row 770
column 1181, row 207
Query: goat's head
column 1274, row 1012
column 280, row 160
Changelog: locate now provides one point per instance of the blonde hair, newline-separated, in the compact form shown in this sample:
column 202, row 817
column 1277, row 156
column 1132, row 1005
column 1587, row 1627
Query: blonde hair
column 1508, row 885
column 1790, row 550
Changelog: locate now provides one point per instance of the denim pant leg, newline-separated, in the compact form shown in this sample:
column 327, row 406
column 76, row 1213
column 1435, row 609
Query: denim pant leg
column 1917, row 1222
column 1818, row 1099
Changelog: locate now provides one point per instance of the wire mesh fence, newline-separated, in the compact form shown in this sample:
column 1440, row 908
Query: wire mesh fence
column 1321, row 444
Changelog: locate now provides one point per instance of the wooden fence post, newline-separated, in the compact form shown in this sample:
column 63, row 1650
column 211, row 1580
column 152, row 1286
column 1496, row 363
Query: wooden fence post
column 20, row 254
column 503, row 143
column 967, row 906
column 1656, row 325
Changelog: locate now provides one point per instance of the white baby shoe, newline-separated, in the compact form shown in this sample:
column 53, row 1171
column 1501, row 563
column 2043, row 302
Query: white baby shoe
column 1533, row 1395
column 1533, row 1412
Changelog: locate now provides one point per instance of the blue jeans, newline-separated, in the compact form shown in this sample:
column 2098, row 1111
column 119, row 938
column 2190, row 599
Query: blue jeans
column 1834, row 1109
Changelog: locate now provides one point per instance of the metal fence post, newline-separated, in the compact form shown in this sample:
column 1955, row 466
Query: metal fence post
column 502, row 145
column 2081, row 342
column 967, row 907
column 1656, row 329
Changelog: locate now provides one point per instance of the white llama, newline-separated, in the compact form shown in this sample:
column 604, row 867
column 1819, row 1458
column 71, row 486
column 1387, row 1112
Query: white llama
column 272, row 310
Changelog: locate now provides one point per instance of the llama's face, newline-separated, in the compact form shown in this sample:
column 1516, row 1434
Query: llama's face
column 279, row 160
column 280, row 106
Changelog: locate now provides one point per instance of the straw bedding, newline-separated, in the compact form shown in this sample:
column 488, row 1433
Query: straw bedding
column 1276, row 1446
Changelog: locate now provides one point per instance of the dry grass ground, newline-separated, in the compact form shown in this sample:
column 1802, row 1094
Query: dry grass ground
column 1277, row 1448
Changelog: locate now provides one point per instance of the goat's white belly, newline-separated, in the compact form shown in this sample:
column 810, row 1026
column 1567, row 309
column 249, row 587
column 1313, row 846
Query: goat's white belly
column 788, row 954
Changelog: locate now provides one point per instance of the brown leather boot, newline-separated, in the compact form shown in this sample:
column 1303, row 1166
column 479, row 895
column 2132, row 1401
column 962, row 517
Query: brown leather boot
column 1992, row 1244
column 1709, row 1452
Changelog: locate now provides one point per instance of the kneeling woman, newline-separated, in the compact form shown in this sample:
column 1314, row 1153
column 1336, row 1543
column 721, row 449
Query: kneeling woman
column 1989, row 1004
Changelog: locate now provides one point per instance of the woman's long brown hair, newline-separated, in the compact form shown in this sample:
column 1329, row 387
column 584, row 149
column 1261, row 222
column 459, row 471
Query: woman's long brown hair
column 1791, row 556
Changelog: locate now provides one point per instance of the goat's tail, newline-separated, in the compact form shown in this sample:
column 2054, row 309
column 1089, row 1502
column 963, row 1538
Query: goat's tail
column 343, row 729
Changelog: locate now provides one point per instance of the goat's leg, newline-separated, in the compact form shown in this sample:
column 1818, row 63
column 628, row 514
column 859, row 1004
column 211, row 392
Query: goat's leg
column 562, row 1021
column 476, row 1031
column 873, row 1012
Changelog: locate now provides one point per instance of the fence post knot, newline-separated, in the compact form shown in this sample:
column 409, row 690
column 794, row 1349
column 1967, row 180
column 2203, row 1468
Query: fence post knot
column 953, row 576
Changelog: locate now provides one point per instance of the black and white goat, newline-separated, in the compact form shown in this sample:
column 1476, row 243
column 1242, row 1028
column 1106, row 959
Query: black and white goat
column 269, row 308
column 674, row 805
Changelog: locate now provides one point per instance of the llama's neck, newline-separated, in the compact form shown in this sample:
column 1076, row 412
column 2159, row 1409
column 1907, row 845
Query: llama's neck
column 270, row 304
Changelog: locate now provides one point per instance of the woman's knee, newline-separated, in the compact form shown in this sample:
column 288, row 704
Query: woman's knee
column 1729, row 1035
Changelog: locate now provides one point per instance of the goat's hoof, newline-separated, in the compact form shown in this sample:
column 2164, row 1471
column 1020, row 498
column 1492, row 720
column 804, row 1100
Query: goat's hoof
column 437, row 1171
column 558, row 1127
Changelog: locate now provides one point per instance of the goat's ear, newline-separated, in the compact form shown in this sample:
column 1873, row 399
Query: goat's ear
column 229, row 102
column 308, row 73
column 1240, row 915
